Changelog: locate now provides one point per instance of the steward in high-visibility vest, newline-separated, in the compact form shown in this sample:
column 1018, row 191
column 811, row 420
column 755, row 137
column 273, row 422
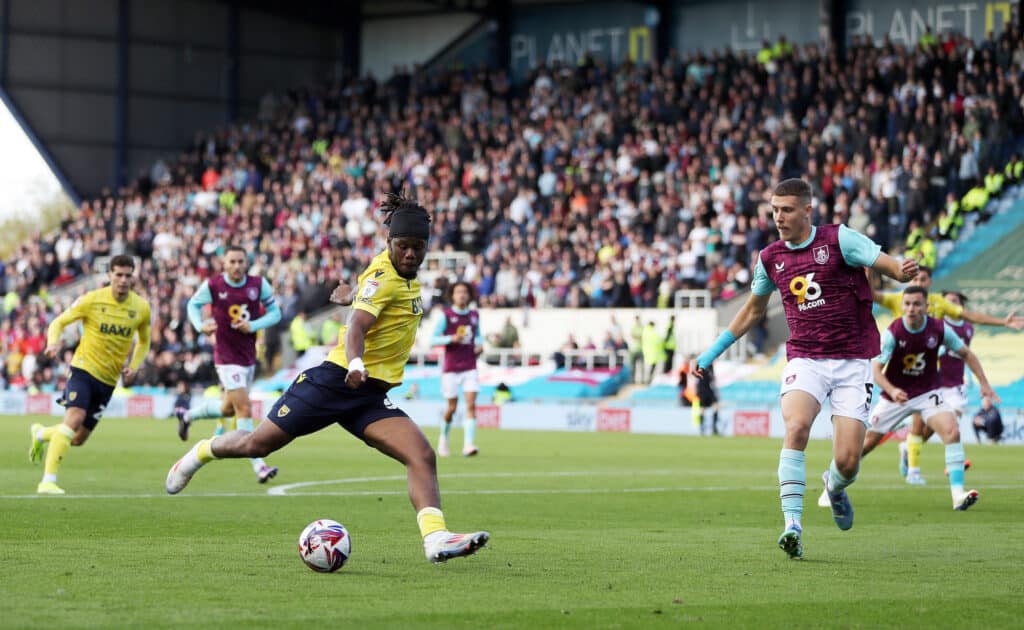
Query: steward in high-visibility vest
column 993, row 182
column 975, row 199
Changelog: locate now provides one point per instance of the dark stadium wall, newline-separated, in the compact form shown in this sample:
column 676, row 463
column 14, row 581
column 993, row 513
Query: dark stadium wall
column 745, row 25
column 109, row 86
column 405, row 41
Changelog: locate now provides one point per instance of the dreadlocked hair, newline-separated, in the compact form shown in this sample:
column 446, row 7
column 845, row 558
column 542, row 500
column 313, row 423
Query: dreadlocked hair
column 393, row 202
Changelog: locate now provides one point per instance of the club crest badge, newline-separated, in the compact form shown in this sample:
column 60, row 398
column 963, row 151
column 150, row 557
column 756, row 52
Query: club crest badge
column 821, row 254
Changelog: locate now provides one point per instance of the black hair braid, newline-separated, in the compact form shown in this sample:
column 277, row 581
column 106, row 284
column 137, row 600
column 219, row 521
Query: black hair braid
column 395, row 201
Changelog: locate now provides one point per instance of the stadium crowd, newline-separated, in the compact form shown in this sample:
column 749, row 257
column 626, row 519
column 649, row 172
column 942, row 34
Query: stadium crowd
column 584, row 186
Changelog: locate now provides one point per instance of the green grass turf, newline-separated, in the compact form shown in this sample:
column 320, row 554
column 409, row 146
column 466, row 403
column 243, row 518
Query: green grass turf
column 636, row 531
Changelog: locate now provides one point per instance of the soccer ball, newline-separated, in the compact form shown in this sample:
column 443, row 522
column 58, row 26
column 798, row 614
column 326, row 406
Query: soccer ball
column 325, row 545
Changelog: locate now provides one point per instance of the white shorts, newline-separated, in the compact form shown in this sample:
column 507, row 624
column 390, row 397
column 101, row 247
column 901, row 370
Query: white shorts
column 236, row 376
column 888, row 415
column 469, row 381
column 956, row 398
column 846, row 382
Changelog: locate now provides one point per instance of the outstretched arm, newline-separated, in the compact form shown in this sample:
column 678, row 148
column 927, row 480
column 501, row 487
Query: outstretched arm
column 57, row 326
column 1012, row 321
column 901, row 272
column 860, row 251
column 129, row 373
column 748, row 316
column 878, row 368
column 438, row 338
column 897, row 394
column 359, row 323
column 972, row 362
column 344, row 294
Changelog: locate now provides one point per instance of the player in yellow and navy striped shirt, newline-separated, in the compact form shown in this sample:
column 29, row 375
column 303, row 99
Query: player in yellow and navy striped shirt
column 350, row 387
column 111, row 319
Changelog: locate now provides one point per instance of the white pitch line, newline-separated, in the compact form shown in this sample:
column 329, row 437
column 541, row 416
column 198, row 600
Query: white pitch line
column 508, row 491
column 284, row 489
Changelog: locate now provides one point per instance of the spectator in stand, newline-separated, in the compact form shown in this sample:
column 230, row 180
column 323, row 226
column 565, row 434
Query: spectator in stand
column 666, row 166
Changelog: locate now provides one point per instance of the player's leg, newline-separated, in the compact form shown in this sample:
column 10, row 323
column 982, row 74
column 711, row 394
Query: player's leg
column 871, row 440
column 230, row 377
column 267, row 438
column 304, row 408
column 399, row 437
column 202, row 408
column 799, row 408
column 914, row 442
column 59, row 437
column 944, row 423
column 885, row 417
column 851, row 403
column 848, row 442
column 238, row 399
column 450, row 392
column 470, row 386
column 804, row 386
column 446, row 427
column 956, row 399
column 85, row 398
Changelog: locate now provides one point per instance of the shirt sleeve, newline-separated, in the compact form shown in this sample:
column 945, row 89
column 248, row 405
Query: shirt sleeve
column 77, row 311
column 266, row 294
column 950, row 339
column 195, row 305
column 947, row 308
column 374, row 294
column 439, row 338
column 893, row 302
column 888, row 345
column 761, row 284
column 273, row 312
column 858, row 250
column 144, row 338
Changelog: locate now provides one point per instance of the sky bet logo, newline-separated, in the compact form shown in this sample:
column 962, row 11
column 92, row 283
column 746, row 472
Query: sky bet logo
column 114, row 329
column 807, row 292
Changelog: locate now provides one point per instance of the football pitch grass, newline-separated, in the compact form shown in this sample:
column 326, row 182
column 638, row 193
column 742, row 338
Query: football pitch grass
column 589, row 530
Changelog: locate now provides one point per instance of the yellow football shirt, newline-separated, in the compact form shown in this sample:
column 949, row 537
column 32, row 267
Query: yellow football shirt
column 108, row 329
column 938, row 306
column 398, row 307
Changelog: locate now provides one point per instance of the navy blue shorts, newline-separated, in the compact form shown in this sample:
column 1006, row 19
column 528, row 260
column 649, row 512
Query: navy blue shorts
column 319, row 398
column 85, row 391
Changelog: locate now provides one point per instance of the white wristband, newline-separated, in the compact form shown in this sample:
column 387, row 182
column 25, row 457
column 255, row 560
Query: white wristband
column 356, row 365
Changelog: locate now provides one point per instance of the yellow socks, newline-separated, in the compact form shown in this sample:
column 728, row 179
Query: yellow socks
column 430, row 520
column 60, row 436
column 204, row 451
column 914, row 443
